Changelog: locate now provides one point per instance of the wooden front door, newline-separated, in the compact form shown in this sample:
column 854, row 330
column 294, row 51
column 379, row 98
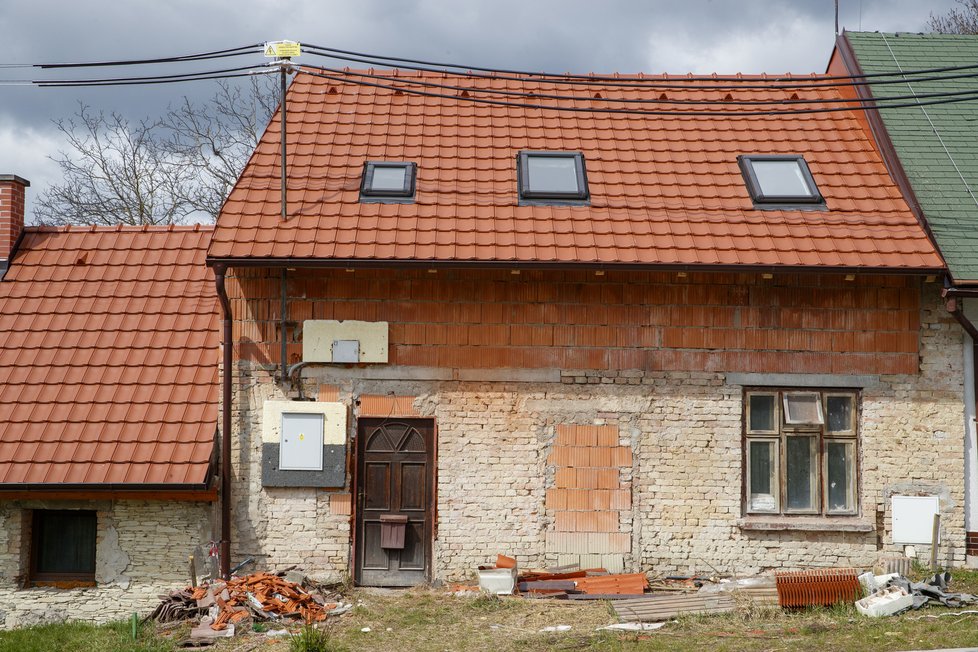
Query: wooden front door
column 395, row 479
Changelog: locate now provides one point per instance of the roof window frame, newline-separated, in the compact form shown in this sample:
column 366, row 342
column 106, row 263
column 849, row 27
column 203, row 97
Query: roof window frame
column 405, row 195
column 815, row 200
column 528, row 197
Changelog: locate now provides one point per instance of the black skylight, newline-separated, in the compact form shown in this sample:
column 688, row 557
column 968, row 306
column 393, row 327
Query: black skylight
column 388, row 181
column 549, row 177
column 779, row 179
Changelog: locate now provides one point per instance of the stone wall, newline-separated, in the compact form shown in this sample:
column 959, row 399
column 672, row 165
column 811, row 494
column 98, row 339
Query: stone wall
column 685, row 429
column 142, row 550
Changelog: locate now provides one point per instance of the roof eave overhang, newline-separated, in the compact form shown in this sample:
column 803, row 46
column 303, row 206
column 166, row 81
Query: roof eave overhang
column 342, row 263
column 118, row 491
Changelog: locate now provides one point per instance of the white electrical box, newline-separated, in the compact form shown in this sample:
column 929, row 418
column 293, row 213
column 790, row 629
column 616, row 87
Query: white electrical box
column 350, row 341
column 913, row 518
column 302, row 442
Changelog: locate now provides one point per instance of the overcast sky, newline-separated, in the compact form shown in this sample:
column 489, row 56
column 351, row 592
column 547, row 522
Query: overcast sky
column 675, row 36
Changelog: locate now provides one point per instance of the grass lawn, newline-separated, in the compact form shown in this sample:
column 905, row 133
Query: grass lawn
column 431, row 620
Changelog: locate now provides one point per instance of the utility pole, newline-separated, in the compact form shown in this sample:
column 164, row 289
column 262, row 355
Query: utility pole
column 282, row 52
column 836, row 17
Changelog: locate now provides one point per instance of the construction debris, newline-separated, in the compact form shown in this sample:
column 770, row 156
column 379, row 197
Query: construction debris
column 823, row 586
column 252, row 598
column 667, row 607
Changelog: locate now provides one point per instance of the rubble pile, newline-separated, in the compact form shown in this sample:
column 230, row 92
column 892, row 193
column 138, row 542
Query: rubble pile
column 257, row 597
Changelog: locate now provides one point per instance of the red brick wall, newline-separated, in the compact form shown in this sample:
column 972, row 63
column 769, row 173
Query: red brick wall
column 620, row 320
column 11, row 214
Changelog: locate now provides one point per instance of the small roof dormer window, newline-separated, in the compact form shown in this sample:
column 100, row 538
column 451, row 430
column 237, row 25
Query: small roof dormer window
column 388, row 181
column 779, row 180
column 552, row 177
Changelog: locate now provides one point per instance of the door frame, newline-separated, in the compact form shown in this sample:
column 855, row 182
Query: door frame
column 431, row 512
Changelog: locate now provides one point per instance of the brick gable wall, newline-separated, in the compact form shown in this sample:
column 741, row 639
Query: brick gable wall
column 790, row 323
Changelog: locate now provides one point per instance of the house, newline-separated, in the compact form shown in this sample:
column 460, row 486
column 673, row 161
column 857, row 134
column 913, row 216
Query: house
column 109, row 378
column 932, row 152
column 679, row 341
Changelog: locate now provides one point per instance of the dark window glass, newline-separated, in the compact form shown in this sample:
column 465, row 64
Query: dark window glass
column 800, row 473
column 762, row 412
column 552, row 176
column 777, row 179
column 64, row 544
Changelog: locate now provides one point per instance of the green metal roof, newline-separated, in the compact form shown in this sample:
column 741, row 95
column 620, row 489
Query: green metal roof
column 937, row 144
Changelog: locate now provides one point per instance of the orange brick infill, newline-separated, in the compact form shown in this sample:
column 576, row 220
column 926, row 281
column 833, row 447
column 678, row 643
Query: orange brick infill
column 592, row 521
column 580, row 435
column 328, row 393
column 378, row 405
column 570, row 478
column 340, row 504
column 588, row 499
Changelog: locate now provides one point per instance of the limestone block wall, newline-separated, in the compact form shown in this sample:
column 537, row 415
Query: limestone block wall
column 142, row 550
column 280, row 526
column 684, row 428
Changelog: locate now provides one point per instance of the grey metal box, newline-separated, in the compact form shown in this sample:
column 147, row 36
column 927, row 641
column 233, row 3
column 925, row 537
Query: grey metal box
column 346, row 351
column 302, row 442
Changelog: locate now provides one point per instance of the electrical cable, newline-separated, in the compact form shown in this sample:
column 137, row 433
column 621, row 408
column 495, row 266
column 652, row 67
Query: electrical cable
column 617, row 100
column 674, row 82
column 158, row 81
column 870, row 104
column 107, row 81
column 215, row 54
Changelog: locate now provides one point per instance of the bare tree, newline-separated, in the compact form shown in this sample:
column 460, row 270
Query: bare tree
column 217, row 138
column 963, row 20
column 170, row 170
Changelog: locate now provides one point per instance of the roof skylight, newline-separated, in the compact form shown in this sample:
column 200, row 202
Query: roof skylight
column 392, row 181
column 779, row 179
column 547, row 177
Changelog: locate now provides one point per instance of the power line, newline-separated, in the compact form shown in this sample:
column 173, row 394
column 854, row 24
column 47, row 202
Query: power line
column 148, row 78
column 530, row 73
column 202, row 56
column 157, row 81
column 417, row 81
column 719, row 114
column 674, row 83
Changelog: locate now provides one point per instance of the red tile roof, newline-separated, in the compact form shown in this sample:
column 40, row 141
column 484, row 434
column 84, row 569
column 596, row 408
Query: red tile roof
column 664, row 190
column 109, row 364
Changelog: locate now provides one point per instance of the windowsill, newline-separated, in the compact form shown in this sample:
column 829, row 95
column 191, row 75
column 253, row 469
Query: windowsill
column 63, row 584
column 756, row 522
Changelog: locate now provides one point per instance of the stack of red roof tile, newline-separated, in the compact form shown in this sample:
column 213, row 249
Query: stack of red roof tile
column 109, row 363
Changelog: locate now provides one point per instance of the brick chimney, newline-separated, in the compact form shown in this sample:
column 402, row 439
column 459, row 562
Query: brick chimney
column 12, row 190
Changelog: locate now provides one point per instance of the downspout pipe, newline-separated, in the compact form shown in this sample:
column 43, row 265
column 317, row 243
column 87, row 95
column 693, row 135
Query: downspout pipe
column 228, row 345
column 954, row 306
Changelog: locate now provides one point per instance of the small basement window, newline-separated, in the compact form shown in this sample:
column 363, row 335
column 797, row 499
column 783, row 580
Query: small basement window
column 63, row 547
column 390, row 181
column 779, row 179
column 548, row 177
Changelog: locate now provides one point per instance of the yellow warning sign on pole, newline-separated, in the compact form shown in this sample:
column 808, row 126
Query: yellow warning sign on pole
column 282, row 49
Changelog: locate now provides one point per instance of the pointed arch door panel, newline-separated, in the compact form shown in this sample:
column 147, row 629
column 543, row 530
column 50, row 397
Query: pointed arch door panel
column 395, row 481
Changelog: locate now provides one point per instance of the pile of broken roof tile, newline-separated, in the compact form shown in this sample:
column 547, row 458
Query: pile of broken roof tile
column 589, row 583
column 256, row 597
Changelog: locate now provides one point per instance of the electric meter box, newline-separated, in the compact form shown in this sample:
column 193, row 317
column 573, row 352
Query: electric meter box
column 304, row 444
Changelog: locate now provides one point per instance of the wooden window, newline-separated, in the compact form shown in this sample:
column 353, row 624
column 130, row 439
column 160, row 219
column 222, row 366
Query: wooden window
column 63, row 547
column 801, row 452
